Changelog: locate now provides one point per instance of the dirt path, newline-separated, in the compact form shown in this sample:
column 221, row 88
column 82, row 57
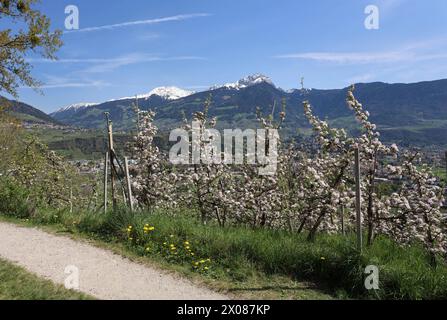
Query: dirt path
column 102, row 273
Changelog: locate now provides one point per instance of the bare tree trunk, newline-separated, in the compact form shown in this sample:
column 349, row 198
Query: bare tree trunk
column 313, row 232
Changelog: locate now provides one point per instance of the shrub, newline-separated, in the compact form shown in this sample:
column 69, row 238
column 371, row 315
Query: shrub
column 14, row 200
column 332, row 261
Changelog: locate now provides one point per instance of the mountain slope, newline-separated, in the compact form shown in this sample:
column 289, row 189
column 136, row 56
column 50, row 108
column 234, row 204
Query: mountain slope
column 120, row 110
column 404, row 113
column 26, row 113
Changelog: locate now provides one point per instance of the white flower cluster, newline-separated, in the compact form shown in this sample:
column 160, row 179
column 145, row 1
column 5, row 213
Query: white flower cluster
column 311, row 192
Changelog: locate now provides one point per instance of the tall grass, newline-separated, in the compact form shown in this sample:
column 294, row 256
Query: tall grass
column 18, row 284
column 332, row 261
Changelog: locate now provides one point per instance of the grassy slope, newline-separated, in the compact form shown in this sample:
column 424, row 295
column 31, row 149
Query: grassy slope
column 242, row 282
column 18, row 284
column 332, row 261
column 262, row 263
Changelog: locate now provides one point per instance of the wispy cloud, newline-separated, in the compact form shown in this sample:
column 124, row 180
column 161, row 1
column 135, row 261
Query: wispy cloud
column 361, row 78
column 348, row 57
column 76, row 85
column 418, row 51
column 108, row 64
column 112, row 64
column 180, row 17
column 196, row 87
column 72, row 84
column 388, row 6
column 148, row 36
column 69, row 81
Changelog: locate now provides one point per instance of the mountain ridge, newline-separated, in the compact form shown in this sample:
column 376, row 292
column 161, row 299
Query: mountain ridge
column 26, row 112
column 404, row 112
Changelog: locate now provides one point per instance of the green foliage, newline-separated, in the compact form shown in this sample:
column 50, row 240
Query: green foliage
column 237, row 253
column 25, row 112
column 13, row 199
column 29, row 165
column 18, row 284
column 33, row 35
column 333, row 261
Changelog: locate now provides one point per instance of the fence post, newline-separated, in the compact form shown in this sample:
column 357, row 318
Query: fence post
column 446, row 164
column 71, row 197
column 445, row 185
column 129, row 185
column 111, row 158
column 106, row 171
column 358, row 200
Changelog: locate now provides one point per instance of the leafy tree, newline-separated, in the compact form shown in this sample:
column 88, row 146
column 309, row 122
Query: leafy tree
column 29, row 32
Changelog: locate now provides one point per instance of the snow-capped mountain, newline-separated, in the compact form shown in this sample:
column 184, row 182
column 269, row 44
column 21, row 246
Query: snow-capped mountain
column 246, row 82
column 162, row 94
column 86, row 114
column 170, row 93
column 77, row 106
column 167, row 93
column 73, row 108
column 236, row 107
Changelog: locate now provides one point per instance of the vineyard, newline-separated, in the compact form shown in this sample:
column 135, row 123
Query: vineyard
column 227, row 221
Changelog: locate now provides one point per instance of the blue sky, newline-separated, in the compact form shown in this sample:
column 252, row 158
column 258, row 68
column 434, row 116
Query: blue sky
column 194, row 44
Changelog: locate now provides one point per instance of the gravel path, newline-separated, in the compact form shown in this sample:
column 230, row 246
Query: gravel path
column 102, row 273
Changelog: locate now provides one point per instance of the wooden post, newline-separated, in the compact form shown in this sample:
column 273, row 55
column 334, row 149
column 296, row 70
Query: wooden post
column 71, row 197
column 358, row 200
column 445, row 185
column 106, row 171
column 123, row 190
column 446, row 165
column 129, row 185
column 112, row 158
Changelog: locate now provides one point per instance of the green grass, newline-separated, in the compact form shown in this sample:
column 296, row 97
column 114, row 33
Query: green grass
column 265, row 263
column 18, row 284
column 76, row 144
column 108, row 232
column 441, row 174
column 26, row 117
column 421, row 125
column 332, row 261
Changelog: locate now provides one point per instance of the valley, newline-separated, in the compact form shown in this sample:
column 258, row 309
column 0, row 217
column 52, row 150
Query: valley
column 411, row 115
